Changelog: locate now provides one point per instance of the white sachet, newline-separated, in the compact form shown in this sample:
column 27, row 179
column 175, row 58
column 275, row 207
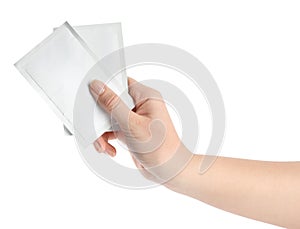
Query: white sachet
column 58, row 65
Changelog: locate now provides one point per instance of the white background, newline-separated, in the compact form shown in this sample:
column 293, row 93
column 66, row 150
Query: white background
column 252, row 49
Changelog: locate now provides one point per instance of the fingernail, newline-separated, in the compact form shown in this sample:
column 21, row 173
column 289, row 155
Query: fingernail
column 98, row 147
column 96, row 88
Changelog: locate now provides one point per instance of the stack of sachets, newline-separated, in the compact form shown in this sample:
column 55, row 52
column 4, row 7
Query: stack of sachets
column 64, row 62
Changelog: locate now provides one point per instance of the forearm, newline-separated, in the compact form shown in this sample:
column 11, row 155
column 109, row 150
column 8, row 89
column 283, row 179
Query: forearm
column 265, row 191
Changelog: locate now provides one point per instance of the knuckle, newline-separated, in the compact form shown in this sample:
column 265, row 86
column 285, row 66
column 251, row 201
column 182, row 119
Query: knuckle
column 155, row 93
column 136, row 121
column 139, row 127
column 111, row 101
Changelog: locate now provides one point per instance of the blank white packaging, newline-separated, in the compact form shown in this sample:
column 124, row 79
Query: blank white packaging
column 59, row 64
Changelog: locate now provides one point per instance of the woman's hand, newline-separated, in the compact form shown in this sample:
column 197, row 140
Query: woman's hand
column 260, row 190
column 147, row 130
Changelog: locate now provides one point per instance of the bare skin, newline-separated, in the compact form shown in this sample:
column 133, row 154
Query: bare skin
column 260, row 190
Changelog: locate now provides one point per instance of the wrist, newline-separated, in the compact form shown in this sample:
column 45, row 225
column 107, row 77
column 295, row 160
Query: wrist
column 180, row 182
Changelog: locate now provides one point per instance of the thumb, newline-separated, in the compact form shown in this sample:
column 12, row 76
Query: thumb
column 110, row 102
